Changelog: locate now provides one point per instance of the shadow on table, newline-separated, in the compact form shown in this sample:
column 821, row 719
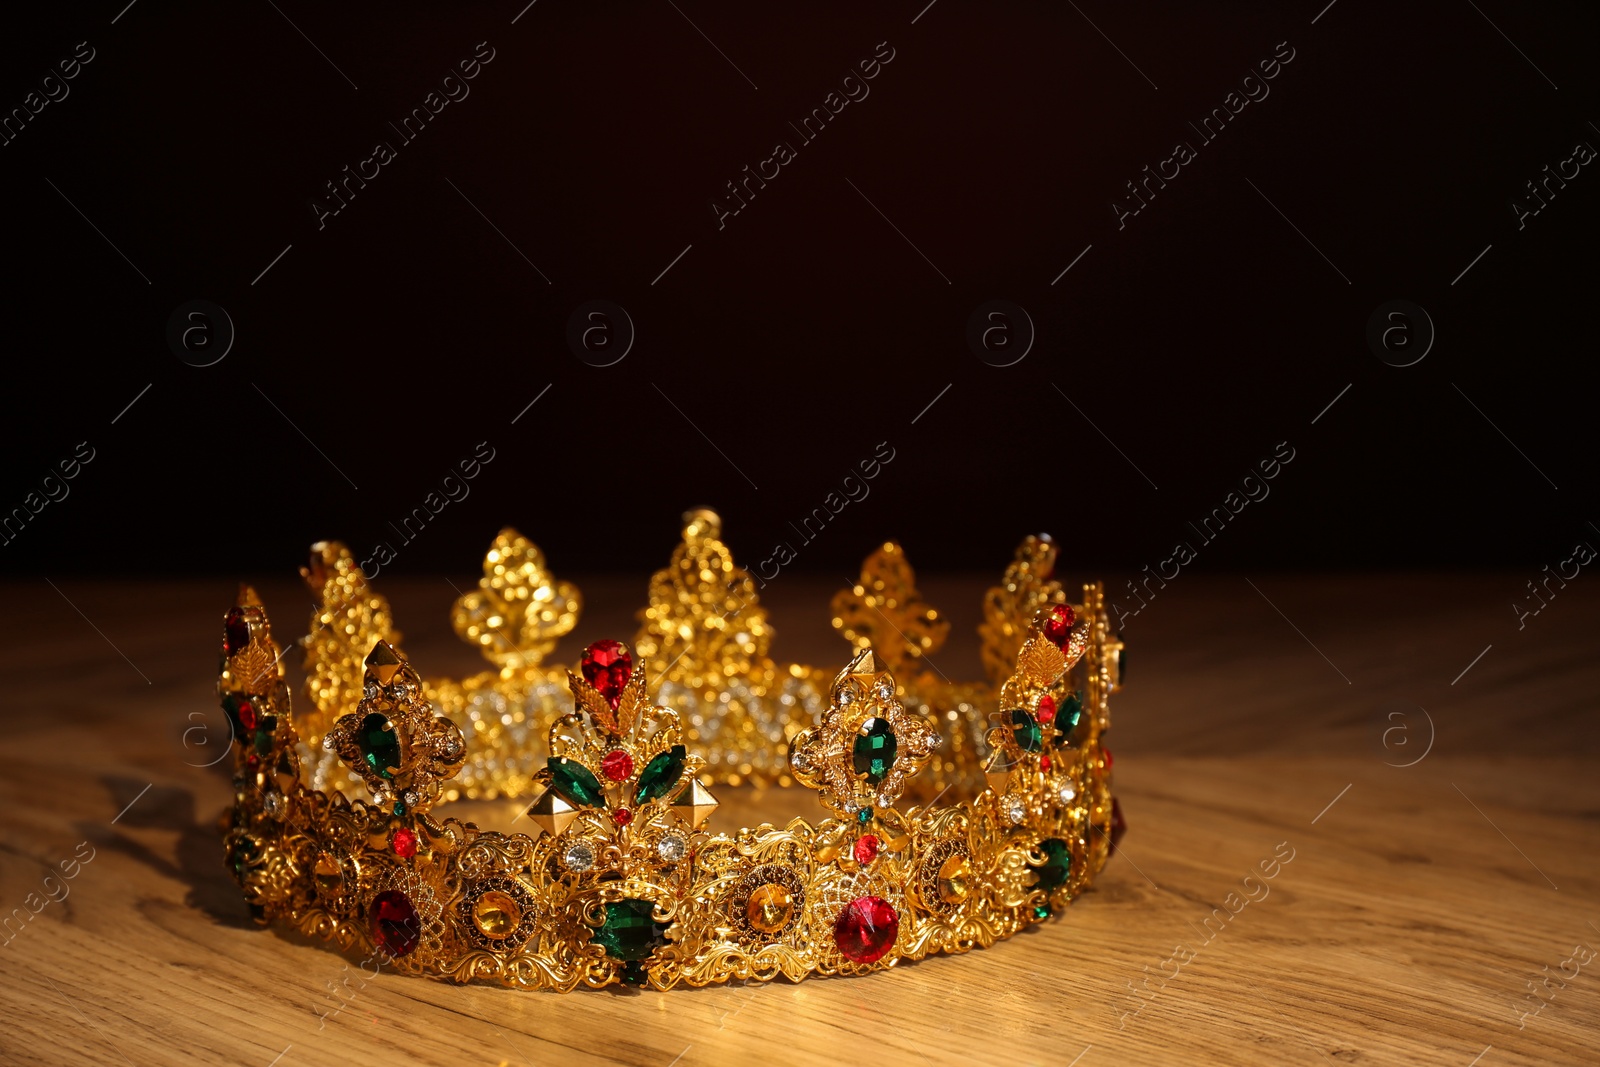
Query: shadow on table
column 199, row 853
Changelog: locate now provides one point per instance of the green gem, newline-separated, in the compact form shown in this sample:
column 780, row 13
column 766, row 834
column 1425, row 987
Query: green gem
column 660, row 775
column 629, row 932
column 1068, row 714
column 1025, row 728
column 240, row 853
column 864, row 816
column 1057, row 865
column 400, row 807
column 1041, row 911
column 230, row 708
column 874, row 750
column 633, row 973
column 380, row 745
column 264, row 732
column 575, row 783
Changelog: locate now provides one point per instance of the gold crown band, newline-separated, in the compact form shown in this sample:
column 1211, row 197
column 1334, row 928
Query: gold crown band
column 624, row 883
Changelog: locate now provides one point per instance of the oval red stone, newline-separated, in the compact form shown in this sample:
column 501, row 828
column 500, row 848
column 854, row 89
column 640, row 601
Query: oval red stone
column 1058, row 627
column 235, row 631
column 1047, row 709
column 617, row 765
column 405, row 843
column 1105, row 754
column 396, row 928
column 607, row 665
column 866, row 929
column 1044, row 763
column 247, row 715
column 866, row 849
column 622, row 816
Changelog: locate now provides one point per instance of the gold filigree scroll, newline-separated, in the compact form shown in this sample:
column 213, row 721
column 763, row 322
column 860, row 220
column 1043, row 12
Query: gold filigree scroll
column 519, row 610
column 704, row 623
column 884, row 611
column 1026, row 587
column 349, row 618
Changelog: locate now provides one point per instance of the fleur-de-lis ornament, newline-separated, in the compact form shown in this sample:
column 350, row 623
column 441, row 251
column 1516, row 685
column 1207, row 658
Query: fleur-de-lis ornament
column 519, row 610
column 884, row 612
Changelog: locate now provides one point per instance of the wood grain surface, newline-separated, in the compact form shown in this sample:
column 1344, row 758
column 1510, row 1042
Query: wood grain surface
column 1289, row 892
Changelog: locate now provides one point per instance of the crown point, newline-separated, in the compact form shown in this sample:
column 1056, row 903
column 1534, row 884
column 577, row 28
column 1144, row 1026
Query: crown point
column 865, row 662
column 247, row 596
column 383, row 663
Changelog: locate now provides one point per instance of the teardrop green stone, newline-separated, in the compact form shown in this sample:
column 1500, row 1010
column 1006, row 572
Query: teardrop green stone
column 575, row 782
column 661, row 774
column 1068, row 714
column 1025, row 728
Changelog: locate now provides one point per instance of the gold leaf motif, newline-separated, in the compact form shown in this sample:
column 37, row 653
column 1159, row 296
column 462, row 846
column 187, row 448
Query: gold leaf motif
column 884, row 611
column 1008, row 608
column 1040, row 661
column 704, row 622
column 599, row 708
column 519, row 610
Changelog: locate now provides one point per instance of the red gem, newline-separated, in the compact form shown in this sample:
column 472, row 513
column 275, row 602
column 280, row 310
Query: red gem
column 1044, row 763
column 866, row 929
column 617, row 766
column 395, row 926
column 1058, row 627
column 607, row 665
column 1047, row 708
column 1105, row 754
column 866, row 849
column 247, row 715
column 622, row 816
column 1119, row 825
column 235, row 631
column 405, row 843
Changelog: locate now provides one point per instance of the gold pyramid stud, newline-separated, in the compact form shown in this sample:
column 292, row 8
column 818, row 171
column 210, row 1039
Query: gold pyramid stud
column 695, row 803
column 997, row 772
column 247, row 596
column 383, row 663
column 551, row 812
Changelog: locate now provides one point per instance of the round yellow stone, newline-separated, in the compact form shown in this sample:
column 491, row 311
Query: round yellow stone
column 769, row 908
column 496, row 915
column 953, row 876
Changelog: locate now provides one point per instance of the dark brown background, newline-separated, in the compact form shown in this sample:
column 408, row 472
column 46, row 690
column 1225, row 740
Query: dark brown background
column 808, row 330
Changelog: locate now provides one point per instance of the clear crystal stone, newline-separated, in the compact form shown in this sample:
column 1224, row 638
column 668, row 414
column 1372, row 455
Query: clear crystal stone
column 885, row 800
column 884, row 691
column 672, row 848
column 1068, row 794
column 370, row 692
column 1013, row 810
column 274, row 805
column 579, row 856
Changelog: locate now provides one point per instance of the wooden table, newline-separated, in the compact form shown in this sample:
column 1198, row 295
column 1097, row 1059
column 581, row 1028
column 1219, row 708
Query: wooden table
column 1419, row 904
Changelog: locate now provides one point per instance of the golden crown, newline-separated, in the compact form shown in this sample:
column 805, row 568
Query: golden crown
column 624, row 882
